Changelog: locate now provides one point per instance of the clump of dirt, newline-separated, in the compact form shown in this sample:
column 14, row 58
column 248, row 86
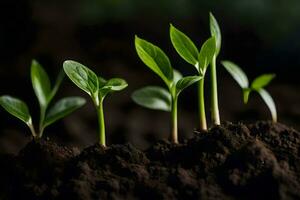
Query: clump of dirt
column 232, row 161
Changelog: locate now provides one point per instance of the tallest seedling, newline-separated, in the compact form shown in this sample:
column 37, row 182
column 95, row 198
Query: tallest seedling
column 215, row 32
column 200, row 60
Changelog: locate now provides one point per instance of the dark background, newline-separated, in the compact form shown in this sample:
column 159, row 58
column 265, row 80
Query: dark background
column 262, row 36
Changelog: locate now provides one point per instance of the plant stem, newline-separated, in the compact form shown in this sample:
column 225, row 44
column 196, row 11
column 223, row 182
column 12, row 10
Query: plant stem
column 102, row 139
column 42, row 118
column 214, row 93
column 174, row 136
column 30, row 125
column 202, row 115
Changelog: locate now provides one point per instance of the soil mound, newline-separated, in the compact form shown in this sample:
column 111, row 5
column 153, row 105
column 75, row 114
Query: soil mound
column 232, row 161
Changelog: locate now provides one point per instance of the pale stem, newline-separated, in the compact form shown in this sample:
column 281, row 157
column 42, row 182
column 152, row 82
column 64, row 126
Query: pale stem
column 214, row 94
column 31, row 127
column 42, row 118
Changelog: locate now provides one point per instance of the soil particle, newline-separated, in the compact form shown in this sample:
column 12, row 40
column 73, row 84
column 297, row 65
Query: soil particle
column 232, row 161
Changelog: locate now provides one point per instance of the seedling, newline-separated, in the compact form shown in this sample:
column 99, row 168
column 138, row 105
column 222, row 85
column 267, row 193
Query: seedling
column 42, row 88
column 257, row 85
column 199, row 59
column 155, row 97
column 97, row 87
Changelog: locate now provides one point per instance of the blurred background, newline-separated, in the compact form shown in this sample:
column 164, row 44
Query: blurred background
column 262, row 36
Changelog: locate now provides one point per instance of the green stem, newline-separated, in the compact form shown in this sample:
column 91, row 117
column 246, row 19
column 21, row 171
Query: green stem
column 202, row 115
column 42, row 118
column 214, row 94
column 102, row 139
column 174, row 136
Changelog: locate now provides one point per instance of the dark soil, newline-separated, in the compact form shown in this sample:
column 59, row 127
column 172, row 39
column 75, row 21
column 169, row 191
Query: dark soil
column 233, row 161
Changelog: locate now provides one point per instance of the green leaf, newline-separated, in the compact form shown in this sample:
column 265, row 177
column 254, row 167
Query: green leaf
column 41, row 83
column 83, row 77
column 215, row 31
column 63, row 108
column 237, row 73
column 155, row 59
column 153, row 97
column 113, row 85
column 262, row 81
column 206, row 54
column 270, row 103
column 16, row 107
column 116, row 84
column 184, row 46
column 186, row 82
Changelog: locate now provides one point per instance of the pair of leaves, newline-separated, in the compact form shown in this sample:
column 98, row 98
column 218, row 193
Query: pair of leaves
column 159, row 98
column 62, row 108
column 241, row 78
column 88, row 81
column 188, row 50
column 257, row 85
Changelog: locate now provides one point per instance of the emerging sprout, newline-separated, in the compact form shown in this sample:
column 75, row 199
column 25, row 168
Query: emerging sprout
column 200, row 60
column 97, row 87
column 257, row 85
column 155, row 97
column 44, row 92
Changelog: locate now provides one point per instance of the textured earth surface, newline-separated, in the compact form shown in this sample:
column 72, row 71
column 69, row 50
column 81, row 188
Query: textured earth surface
column 232, row 161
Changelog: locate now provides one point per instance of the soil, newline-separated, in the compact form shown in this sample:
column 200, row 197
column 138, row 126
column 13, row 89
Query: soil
column 232, row 161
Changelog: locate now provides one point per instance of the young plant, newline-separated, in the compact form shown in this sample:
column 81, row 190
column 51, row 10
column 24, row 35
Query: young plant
column 257, row 85
column 155, row 97
column 199, row 59
column 42, row 88
column 97, row 87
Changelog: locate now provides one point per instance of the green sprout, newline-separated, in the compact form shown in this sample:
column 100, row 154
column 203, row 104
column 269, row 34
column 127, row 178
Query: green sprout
column 215, row 32
column 199, row 59
column 42, row 88
column 257, row 85
column 155, row 97
column 97, row 87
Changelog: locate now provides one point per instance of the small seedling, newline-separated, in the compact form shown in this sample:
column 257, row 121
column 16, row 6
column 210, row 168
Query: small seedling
column 155, row 97
column 42, row 88
column 97, row 87
column 257, row 85
column 199, row 59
